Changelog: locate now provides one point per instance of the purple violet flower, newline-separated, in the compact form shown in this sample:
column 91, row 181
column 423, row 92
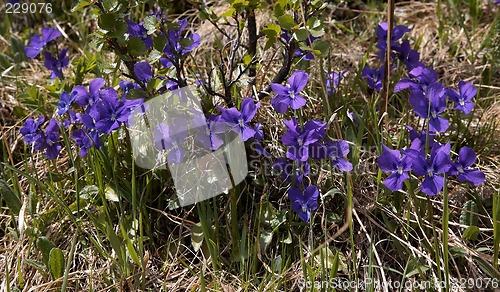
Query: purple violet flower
column 304, row 202
column 177, row 45
column 298, row 139
column 336, row 151
column 208, row 130
column 165, row 140
column 430, row 105
column 289, row 95
column 421, row 77
column 286, row 168
column 52, row 137
column 259, row 135
column 143, row 71
column 56, row 65
column 88, row 136
column 398, row 165
column 466, row 158
column 86, row 98
column 397, row 33
column 110, row 113
column 439, row 163
column 127, row 86
column 410, row 58
column 31, row 131
column 37, row 43
column 374, row 77
column 418, row 141
column 241, row 119
column 463, row 99
column 333, row 81
column 65, row 104
column 138, row 30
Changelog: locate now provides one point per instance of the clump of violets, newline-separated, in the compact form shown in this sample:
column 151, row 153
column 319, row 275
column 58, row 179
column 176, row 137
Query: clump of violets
column 305, row 142
column 93, row 113
column 426, row 157
column 178, row 45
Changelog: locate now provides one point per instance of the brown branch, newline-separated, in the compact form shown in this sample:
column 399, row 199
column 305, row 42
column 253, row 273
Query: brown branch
column 283, row 72
column 384, row 101
column 252, row 38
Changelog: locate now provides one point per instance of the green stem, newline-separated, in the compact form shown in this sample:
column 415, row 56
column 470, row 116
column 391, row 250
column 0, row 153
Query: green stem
column 446, row 215
column 70, row 260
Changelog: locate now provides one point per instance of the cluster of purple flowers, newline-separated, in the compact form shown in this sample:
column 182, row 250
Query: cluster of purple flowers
column 429, row 98
column 305, row 142
column 47, row 140
column 176, row 46
column 100, row 112
column 39, row 42
column 400, row 50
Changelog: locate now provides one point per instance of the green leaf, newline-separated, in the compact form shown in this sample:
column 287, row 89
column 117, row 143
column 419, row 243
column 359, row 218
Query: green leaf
column 111, row 195
column 326, row 258
column 56, row 263
column 136, row 46
column 159, row 43
column 115, row 242
column 110, row 5
column 229, row 13
column 155, row 55
column 247, row 59
column 107, row 21
column 468, row 216
column 80, row 5
column 471, row 233
column 89, row 191
column 186, row 42
column 45, row 246
column 128, row 242
column 197, row 236
column 286, row 21
column 279, row 8
column 272, row 31
column 317, row 32
column 150, row 24
column 415, row 267
column 488, row 269
column 266, row 236
column 135, row 94
column 35, row 264
column 119, row 31
column 287, row 239
column 301, row 34
column 320, row 46
column 10, row 197
column 18, row 49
